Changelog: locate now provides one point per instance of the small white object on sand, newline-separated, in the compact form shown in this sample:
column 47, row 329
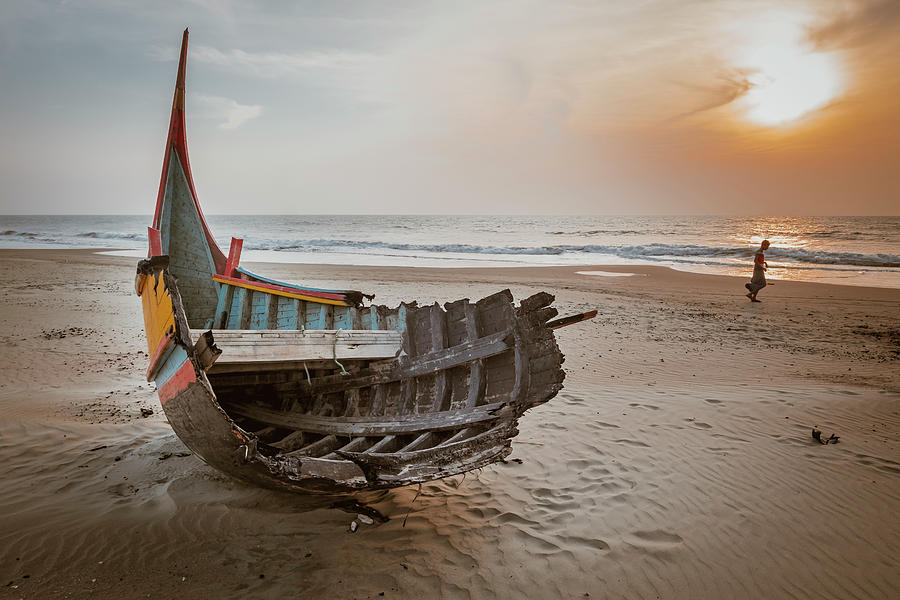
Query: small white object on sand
column 608, row 273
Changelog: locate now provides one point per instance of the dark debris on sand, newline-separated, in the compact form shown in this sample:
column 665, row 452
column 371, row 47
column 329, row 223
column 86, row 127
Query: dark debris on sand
column 817, row 435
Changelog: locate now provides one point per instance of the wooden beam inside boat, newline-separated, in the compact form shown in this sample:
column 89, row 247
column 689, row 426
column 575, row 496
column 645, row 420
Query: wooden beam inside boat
column 431, row 362
column 242, row 347
column 370, row 426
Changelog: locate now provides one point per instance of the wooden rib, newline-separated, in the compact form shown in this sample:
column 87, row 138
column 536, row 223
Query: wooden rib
column 376, row 319
column 424, row 440
column 376, row 407
column 351, row 403
column 351, row 446
column 476, row 368
column 496, row 313
column 382, row 443
column 493, row 312
column 290, row 442
column 369, row 426
column 318, row 448
column 457, row 437
column 520, row 364
column 407, row 385
column 439, row 342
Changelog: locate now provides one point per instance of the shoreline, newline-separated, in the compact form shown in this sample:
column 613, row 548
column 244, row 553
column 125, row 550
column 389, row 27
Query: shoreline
column 823, row 276
column 102, row 256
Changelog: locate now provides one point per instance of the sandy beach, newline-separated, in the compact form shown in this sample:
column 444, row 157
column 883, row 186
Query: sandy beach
column 677, row 462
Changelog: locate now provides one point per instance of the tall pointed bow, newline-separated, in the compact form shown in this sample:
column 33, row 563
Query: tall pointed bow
column 176, row 152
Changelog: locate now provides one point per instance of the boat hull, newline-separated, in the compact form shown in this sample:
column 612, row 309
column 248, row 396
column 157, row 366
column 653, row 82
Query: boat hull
column 309, row 390
column 393, row 444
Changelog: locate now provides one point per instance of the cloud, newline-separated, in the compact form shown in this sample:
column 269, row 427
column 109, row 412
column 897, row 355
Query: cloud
column 231, row 113
column 871, row 20
column 277, row 64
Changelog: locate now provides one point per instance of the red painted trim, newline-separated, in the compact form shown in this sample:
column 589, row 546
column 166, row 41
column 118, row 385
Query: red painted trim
column 162, row 349
column 282, row 288
column 177, row 383
column 234, row 256
column 177, row 140
column 155, row 241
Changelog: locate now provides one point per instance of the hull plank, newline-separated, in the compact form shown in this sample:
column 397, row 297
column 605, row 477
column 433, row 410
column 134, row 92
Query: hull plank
column 371, row 426
column 260, row 306
column 264, row 346
column 317, row 316
column 237, row 316
column 288, row 315
column 303, row 415
column 183, row 241
column 343, row 317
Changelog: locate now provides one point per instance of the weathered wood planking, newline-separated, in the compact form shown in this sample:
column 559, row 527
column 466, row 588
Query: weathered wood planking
column 246, row 308
column 183, row 240
column 264, row 346
column 372, row 426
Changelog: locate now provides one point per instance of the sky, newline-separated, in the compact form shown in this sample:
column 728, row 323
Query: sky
column 752, row 107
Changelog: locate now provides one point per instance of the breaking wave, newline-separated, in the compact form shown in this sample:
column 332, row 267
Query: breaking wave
column 590, row 232
column 112, row 236
column 23, row 234
column 842, row 244
column 648, row 251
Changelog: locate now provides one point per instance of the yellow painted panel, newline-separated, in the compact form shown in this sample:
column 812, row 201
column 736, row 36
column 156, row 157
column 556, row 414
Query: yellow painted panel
column 158, row 312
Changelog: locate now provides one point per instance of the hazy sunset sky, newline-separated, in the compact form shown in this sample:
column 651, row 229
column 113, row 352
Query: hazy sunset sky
column 658, row 107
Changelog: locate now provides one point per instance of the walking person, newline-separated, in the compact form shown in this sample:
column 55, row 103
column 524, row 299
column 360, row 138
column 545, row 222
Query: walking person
column 758, row 281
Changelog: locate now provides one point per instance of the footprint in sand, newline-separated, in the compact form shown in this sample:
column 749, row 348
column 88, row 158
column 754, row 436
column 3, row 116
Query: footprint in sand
column 656, row 540
column 634, row 443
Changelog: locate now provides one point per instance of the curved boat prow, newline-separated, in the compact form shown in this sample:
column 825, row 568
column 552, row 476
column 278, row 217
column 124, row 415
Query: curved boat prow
column 179, row 229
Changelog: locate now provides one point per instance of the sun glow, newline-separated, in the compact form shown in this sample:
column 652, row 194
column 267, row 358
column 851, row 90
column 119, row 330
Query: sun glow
column 788, row 78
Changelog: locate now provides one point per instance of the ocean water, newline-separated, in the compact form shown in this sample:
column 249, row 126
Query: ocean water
column 846, row 250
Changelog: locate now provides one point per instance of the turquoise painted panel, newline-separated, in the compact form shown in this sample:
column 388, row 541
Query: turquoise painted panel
column 236, row 317
column 287, row 315
column 226, row 293
column 343, row 318
column 171, row 365
column 259, row 310
column 184, row 240
column 401, row 318
column 316, row 315
column 374, row 321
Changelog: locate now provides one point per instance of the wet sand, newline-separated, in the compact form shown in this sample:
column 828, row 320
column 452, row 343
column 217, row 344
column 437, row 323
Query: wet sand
column 676, row 463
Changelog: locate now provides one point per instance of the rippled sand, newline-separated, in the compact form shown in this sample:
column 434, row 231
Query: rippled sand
column 676, row 463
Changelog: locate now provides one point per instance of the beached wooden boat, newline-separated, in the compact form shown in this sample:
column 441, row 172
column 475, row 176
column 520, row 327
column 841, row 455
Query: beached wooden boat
column 308, row 389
